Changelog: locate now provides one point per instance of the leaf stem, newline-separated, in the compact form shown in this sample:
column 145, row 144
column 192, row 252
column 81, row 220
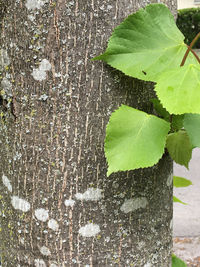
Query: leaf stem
column 190, row 49
column 198, row 59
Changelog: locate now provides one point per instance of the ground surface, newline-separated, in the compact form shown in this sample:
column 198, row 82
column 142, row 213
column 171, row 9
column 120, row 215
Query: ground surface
column 187, row 217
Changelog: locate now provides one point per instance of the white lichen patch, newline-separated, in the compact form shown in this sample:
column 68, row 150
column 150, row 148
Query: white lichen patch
column 33, row 4
column 45, row 251
column 69, row 202
column 39, row 263
column 45, row 65
column 170, row 179
column 42, row 214
column 92, row 194
column 134, row 204
column 40, row 73
column 20, row 204
column 6, row 86
column 147, row 264
column 52, row 224
column 89, row 230
column 21, row 240
column 43, row 97
column 4, row 59
column 7, row 183
column 31, row 17
column 53, row 265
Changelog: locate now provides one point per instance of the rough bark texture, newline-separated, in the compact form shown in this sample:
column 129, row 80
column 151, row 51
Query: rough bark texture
column 58, row 208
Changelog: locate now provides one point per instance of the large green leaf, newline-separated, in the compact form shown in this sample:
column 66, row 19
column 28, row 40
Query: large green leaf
column 175, row 199
column 179, row 89
column 176, row 262
column 192, row 126
column 147, row 43
column 179, row 147
column 134, row 139
column 181, row 182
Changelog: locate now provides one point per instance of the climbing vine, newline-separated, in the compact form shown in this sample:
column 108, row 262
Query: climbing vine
column 148, row 45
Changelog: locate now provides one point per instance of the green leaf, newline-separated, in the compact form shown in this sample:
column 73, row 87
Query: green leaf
column 181, row 182
column 175, row 199
column 179, row 147
column 134, row 139
column 177, row 122
column 159, row 109
column 192, row 126
column 147, row 43
column 179, row 89
column 176, row 262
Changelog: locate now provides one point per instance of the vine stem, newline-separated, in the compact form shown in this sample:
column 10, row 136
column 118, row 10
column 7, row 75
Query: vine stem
column 190, row 49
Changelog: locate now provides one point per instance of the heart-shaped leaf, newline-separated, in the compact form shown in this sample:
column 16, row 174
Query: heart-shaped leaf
column 147, row 43
column 179, row 147
column 192, row 126
column 179, row 89
column 134, row 139
column 177, row 122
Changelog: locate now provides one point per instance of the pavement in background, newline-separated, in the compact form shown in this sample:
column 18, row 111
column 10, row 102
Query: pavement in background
column 187, row 217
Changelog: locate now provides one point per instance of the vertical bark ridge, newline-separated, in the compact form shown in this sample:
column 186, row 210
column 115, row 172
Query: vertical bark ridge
column 52, row 154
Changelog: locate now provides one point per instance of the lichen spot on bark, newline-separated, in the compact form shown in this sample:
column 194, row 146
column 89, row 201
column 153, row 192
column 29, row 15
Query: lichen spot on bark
column 148, row 265
column 131, row 204
column 35, row 4
column 40, row 74
column 170, row 179
column 91, row 194
column 89, row 230
column 42, row 214
column 39, row 263
column 20, row 204
column 7, row 183
column 53, row 224
column 6, row 86
column 69, row 202
column 53, row 265
column 4, row 59
column 43, row 97
column 45, row 251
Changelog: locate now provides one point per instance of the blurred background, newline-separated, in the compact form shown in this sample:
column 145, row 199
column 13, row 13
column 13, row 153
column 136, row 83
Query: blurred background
column 186, row 224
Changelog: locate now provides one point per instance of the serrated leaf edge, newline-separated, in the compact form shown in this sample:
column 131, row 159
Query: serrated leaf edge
column 142, row 167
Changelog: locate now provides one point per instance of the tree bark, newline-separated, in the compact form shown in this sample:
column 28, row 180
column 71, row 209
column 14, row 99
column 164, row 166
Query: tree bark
column 58, row 208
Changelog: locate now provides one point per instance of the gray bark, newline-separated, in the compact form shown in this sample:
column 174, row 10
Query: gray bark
column 58, row 208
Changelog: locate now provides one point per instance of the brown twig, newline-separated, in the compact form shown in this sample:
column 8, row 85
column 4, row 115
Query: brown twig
column 190, row 49
column 198, row 59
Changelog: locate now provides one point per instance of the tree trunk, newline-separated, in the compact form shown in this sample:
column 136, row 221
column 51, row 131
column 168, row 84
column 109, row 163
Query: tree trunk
column 58, row 208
